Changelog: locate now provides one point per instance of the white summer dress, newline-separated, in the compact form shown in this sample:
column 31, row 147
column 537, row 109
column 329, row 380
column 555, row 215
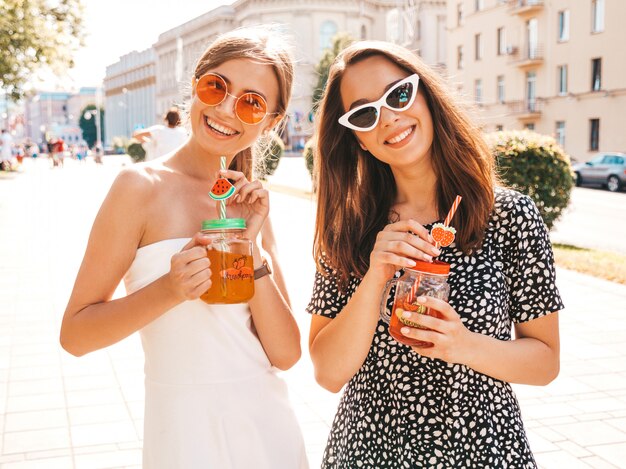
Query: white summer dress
column 213, row 399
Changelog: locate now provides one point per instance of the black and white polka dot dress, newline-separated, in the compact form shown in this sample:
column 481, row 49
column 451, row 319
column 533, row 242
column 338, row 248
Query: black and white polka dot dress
column 402, row 410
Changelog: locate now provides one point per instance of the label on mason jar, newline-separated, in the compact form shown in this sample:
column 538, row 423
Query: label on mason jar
column 239, row 270
column 419, row 309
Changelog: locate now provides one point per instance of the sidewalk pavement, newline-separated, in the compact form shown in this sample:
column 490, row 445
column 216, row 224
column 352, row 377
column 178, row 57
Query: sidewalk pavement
column 58, row 411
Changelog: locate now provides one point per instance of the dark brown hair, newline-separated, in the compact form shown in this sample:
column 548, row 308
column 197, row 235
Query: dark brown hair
column 264, row 45
column 356, row 191
column 172, row 117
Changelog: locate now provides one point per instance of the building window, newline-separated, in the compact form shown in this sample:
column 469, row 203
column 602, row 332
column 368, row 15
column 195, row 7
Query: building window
column 594, row 134
column 459, row 57
column 596, row 74
column 532, row 38
column 560, row 133
column 478, row 91
column 478, row 5
column 478, row 47
column 328, row 29
column 459, row 14
column 562, row 76
column 501, row 42
column 363, row 32
column 531, row 91
column 563, row 25
column 597, row 16
column 499, row 128
column 501, row 89
column 530, row 126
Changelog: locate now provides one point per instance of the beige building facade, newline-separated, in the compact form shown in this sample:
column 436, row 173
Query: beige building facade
column 129, row 94
column 555, row 66
column 310, row 25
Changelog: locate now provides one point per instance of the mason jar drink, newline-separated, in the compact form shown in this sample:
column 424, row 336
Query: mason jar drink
column 424, row 279
column 232, row 277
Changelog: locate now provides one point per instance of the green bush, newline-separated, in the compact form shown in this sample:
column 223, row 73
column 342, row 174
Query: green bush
column 274, row 150
column 309, row 149
column 135, row 150
column 534, row 165
column 308, row 153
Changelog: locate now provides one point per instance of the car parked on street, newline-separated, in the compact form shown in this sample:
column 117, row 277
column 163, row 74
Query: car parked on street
column 607, row 169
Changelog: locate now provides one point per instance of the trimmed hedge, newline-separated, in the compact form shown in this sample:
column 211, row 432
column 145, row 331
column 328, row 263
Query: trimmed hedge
column 309, row 148
column 135, row 150
column 534, row 165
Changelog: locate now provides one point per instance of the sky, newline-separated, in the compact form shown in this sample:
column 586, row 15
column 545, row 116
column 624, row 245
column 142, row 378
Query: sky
column 117, row 27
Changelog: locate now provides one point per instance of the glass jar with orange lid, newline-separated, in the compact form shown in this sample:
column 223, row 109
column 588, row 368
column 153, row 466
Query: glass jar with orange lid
column 424, row 279
column 230, row 253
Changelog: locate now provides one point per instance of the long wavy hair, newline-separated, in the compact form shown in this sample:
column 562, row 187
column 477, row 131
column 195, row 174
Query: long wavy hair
column 356, row 191
column 264, row 45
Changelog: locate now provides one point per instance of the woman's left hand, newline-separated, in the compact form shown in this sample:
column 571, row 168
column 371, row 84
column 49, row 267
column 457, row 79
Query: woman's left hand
column 450, row 338
column 252, row 198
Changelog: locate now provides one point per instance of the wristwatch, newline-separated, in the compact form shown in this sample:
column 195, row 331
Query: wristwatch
column 262, row 271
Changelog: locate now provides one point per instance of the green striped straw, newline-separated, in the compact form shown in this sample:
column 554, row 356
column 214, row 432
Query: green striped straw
column 222, row 202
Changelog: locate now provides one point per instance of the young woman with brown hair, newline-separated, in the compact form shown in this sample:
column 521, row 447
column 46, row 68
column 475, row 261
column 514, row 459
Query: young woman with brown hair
column 213, row 399
column 393, row 152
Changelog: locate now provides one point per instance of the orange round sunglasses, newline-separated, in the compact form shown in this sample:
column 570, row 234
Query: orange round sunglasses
column 250, row 107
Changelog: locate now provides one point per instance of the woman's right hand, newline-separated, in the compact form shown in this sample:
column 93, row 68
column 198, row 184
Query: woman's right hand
column 190, row 269
column 396, row 247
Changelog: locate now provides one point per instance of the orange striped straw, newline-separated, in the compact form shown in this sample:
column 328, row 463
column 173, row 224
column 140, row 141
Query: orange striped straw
column 413, row 291
column 452, row 211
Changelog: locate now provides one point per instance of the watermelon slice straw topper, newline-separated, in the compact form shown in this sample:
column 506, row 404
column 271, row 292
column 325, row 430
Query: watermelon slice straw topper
column 222, row 189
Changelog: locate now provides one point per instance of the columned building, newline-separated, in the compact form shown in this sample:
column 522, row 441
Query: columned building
column 129, row 94
column 556, row 67
column 420, row 26
column 311, row 25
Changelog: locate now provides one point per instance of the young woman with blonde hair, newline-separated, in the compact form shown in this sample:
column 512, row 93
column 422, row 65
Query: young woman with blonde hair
column 213, row 399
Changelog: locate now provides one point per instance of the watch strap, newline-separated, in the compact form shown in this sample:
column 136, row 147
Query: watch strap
column 262, row 271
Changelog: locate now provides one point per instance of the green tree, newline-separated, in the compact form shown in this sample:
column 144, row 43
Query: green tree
column 87, row 124
column 36, row 34
column 340, row 42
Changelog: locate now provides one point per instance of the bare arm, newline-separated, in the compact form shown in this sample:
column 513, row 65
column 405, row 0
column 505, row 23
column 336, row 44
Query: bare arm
column 92, row 320
column 274, row 321
column 268, row 242
column 142, row 135
column 271, row 313
column 532, row 358
column 338, row 347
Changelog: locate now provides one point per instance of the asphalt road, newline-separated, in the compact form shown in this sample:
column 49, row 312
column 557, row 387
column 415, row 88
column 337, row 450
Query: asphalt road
column 595, row 218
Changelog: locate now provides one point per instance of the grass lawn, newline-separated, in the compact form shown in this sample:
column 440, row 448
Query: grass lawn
column 607, row 265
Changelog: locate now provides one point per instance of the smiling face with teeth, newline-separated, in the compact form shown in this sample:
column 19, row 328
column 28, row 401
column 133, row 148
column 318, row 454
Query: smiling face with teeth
column 216, row 128
column 400, row 138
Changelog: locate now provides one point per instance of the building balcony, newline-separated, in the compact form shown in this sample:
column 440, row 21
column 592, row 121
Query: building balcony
column 525, row 7
column 526, row 110
column 529, row 56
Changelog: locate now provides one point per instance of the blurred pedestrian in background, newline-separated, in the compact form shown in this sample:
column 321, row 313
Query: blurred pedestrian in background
column 6, row 153
column 159, row 140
